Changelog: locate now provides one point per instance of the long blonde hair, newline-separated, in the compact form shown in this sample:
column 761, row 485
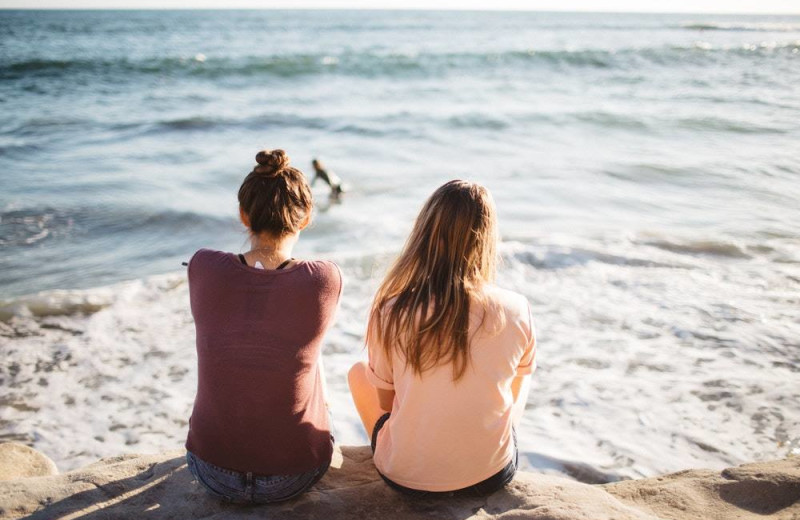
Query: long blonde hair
column 422, row 307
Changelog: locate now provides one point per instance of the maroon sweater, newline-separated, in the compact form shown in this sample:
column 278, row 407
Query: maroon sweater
column 259, row 406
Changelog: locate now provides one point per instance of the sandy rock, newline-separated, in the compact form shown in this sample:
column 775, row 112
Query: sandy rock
column 160, row 486
column 20, row 461
column 758, row 490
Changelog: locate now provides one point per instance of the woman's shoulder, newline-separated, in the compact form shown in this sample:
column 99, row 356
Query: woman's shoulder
column 210, row 259
column 326, row 268
column 206, row 256
column 327, row 272
column 324, row 265
column 207, row 270
column 508, row 310
column 210, row 253
column 511, row 302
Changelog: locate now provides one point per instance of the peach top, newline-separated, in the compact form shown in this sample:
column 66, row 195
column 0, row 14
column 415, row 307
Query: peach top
column 444, row 435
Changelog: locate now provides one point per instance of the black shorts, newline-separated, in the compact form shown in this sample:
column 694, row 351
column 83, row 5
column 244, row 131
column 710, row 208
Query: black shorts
column 483, row 488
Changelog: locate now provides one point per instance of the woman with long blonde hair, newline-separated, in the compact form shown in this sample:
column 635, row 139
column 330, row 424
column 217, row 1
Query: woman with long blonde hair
column 450, row 355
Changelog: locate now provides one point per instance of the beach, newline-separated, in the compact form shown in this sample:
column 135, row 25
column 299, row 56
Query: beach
column 644, row 168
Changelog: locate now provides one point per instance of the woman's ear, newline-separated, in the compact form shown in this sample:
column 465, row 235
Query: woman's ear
column 306, row 221
column 244, row 218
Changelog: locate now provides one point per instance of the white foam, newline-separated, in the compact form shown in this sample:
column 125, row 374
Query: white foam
column 59, row 302
column 651, row 359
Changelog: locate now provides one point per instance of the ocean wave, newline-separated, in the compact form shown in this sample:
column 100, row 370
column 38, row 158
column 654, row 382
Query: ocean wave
column 719, row 124
column 416, row 124
column 190, row 123
column 642, row 251
column 555, row 257
column 742, row 26
column 44, row 123
column 607, row 119
column 391, row 124
column 32, row 226
column 489, row 121
column 373, row 64
column 17, row 148
column 58, row 303
column 258, row 122
column 377, row 125
column 720, row 248
column 26, row 227
column 82, row 302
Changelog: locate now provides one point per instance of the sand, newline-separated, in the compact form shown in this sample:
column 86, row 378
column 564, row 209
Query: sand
column 20, row 461
column 160, row 486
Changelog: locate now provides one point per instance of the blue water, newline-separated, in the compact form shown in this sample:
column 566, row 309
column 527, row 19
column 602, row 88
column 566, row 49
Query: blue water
column 646, row 171
column 124, row 135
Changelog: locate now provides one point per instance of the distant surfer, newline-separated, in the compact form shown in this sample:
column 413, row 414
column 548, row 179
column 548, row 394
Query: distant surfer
column 329, row 178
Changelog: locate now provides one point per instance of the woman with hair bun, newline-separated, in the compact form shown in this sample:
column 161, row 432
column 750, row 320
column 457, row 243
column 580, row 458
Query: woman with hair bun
column 450, row 355
column 259, row 431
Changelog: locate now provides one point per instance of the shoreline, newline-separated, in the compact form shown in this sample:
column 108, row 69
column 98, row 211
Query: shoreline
column 602, row 374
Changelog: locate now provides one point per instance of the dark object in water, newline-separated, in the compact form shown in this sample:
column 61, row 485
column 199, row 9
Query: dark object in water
column 329, row 178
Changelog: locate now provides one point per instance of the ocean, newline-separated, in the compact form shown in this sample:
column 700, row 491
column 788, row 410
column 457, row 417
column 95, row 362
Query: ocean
column 645, row 168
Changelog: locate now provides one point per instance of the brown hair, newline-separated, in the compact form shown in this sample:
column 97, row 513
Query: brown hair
column 275, row 196
column 422, row 307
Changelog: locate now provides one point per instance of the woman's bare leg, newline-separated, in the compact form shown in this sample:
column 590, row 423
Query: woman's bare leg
column 365, row 396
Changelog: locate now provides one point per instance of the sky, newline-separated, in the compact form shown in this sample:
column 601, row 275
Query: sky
column 681, row 6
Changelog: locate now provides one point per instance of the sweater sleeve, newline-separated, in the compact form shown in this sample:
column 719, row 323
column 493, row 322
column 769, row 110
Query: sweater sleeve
column 379, row 372
column 528, row 362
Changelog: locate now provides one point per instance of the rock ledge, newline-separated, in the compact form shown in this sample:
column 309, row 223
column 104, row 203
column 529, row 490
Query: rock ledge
column 160, row 486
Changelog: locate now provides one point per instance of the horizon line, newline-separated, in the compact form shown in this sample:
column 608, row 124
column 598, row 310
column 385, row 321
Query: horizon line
column 400, row 9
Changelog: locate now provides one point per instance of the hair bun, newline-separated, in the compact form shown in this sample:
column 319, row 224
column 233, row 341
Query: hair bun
column 271, row 162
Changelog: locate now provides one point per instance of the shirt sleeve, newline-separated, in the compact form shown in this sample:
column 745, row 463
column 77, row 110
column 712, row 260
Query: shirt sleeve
column 379, row 372
column 341, row 280
column 528, row 362
column 191, row 266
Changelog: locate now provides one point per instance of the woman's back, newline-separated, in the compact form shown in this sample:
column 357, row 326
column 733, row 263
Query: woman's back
column 449, row 354
column 259, row 431
column 444, row 434
column 260, row 406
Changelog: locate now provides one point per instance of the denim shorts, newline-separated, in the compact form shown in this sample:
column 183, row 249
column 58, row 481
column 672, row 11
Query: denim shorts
column 483, row 488
column 246, row 488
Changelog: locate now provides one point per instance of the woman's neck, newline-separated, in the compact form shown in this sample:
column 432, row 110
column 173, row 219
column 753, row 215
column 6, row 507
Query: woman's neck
column 271, row 250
